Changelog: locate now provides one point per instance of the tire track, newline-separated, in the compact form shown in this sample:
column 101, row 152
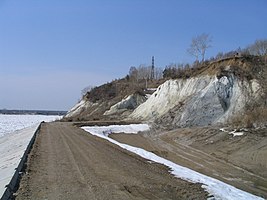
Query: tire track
column 71, row 164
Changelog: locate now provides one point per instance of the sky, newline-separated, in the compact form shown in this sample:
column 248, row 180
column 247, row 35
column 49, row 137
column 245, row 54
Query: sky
column 50, row 50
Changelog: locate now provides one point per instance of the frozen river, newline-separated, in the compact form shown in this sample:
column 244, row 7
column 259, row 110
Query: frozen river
column 16, row 132
column 11, row 123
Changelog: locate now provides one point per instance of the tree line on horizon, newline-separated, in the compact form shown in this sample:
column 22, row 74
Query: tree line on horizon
column 198, row 48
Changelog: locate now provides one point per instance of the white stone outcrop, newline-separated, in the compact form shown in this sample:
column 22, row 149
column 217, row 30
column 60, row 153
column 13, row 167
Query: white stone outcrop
column 128, row 103
column 80, row 107
column 198, row 101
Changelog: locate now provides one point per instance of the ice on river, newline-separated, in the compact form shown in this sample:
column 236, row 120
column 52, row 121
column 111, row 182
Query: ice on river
column 11, row 123
column 16, row 131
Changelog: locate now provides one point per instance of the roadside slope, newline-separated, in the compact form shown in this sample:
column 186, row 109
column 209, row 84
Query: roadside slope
column 213, row 153
column 12, row 148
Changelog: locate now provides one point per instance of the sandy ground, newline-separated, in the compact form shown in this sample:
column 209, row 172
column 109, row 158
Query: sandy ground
column 68, row 163
column 240, row 161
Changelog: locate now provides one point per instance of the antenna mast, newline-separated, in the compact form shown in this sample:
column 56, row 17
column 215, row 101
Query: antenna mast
column 152, row 69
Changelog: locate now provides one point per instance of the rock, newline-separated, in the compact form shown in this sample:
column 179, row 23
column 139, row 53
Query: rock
column 128, row 103
column 198, row 101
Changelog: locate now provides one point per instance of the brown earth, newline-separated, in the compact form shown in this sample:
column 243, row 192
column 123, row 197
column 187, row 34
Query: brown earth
column 240, row 161
column 68, row 163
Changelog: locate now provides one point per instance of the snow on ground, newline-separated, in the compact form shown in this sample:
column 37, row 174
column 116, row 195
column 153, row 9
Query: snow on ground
column 218, row 189
column 12, row 147
column 133, row 128
column 11, row 123
column 234, row 132
column 16, row 132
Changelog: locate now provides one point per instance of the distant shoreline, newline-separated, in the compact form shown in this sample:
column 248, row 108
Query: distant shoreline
column 32, row 112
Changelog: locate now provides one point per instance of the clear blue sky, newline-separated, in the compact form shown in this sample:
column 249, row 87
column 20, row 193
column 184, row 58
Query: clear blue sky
column 51, row 49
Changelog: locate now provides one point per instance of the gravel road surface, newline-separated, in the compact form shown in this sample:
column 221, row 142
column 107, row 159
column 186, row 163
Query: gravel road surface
column 68, row 163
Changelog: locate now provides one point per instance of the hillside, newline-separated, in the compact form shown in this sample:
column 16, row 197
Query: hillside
column 211, row 119
column 95, row 104
column 217, row 92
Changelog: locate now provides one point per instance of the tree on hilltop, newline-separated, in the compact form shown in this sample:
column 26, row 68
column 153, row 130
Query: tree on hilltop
column 259, row 48
column 199, row 46
column 143, row 72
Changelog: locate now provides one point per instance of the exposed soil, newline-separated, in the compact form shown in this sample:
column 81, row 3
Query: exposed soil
column 240, row 161
column 68, row 163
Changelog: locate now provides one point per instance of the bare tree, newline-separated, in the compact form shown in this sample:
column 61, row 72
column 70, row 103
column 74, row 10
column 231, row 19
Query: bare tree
column 259, row 48
column 143, row 72
column 158, row 73
column 133, row 73
column 199, row 46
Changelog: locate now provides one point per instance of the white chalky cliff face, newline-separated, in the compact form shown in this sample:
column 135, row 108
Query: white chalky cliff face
column 202, row 100
column 128, row 103
column 168, row 95
column 197, row 101
column 80, row 107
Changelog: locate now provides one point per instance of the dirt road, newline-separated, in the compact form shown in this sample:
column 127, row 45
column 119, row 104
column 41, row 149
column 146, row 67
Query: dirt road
column 68, row 163
column 210, row 152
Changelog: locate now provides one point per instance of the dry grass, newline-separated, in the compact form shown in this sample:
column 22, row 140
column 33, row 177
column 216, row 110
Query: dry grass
column 245, row 67
column 251, row 119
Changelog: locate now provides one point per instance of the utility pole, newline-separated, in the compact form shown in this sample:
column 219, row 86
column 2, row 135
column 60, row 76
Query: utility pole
column 152, row 69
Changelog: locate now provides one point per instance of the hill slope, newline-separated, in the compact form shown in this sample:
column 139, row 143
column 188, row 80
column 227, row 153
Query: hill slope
column 215, row 92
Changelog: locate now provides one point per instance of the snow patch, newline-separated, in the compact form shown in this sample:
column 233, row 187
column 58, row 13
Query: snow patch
column 218, row 189
column 234, row 132
column 12, row 147
column 106, row 130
